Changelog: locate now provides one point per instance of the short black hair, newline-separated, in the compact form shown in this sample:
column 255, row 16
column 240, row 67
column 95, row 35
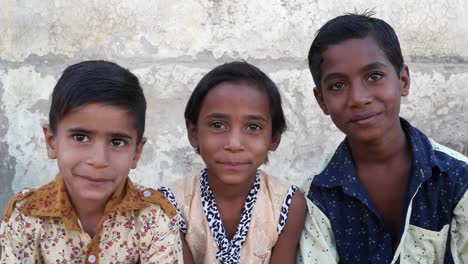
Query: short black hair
column 237, row 72
column 356, row 26
column 98, row 81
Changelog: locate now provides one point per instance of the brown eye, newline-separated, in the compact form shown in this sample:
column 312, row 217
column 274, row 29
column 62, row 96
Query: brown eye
column 253, row 127
column 118, row 142
column 375, row 76
column 337, row 86
column 217, row 125
column 80, row 138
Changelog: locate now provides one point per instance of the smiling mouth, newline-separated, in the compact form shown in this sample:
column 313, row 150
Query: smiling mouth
column 232, row 164
column 363, row 119
column 94, row 180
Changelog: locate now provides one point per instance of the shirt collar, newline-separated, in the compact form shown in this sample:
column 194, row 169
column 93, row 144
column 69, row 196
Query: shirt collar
column 229, row 250
column 424, row 161
column 423, row 154
column 52, row 200
column 341, row 171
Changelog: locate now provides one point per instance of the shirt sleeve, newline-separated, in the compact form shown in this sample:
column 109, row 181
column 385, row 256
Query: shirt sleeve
column 317, row 242
column 18, row 239
column 459, row 231
column 160, row 240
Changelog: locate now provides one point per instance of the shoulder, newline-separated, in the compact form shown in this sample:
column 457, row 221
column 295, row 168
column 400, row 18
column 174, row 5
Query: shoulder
column 30, row 198
column 319, row 165
column 450, row 161
column 19, row 233
column 182, row 191
column 17, row 222
column 284, row 196
column 280, row 188
column 450, row 156
column 273, row 183
column 157, row 200
column 455, row 166
column 445, row 158
column 161, row 215
column 16, row 201
column 185, row 185
column 182, row 195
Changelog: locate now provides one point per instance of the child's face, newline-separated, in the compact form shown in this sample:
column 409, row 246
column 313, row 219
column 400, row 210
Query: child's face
column 234, row 132
column 360, row 89
column 95, row 147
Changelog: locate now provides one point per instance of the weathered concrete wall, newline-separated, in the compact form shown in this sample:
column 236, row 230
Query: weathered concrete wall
column 171, row 44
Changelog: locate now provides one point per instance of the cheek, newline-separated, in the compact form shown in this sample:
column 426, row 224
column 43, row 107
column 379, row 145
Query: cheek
column 68, row 156
column 211, row 140
column 121, row 163
column 335, row 104
column 261, row 145
column 393, row 100
column 338, row 122
column 121, row 159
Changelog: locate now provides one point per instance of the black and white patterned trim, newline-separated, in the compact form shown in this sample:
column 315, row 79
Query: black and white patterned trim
column 229, row 251
column 285, row 208
column 170, row 196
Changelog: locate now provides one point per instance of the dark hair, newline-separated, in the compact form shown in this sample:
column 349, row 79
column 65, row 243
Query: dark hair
column 237, row 72
column 98, row 82
column 351, row 26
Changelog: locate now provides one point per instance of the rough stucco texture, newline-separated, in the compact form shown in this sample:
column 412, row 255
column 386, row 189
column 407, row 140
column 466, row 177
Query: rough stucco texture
column 171, row 44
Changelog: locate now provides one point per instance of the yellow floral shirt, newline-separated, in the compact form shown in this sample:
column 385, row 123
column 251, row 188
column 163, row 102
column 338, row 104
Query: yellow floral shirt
column 139, row 226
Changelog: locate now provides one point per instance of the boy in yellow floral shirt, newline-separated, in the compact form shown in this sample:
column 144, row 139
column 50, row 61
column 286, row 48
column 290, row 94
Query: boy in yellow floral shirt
column 92, row 212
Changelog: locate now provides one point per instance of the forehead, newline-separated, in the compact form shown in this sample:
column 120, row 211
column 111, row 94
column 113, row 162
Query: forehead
column 239, row 94
column 99, row 117
column 357, row 53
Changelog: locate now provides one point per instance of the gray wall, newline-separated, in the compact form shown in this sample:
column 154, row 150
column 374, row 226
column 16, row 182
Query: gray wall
column 171, row 44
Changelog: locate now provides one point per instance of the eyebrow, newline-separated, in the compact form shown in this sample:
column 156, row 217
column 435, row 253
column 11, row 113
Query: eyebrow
column 257, row 117
column 216, row 115
column 374, row 65
column 370, row 66
column 331, row 76
column 249, row 117
column 83, row 131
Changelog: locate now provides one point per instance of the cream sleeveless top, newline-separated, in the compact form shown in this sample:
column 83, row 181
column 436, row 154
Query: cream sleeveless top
column 271, row 198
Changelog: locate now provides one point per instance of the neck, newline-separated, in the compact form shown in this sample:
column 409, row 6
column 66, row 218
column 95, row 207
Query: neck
column 87, row 209
column 224, row 191
column 382, row 150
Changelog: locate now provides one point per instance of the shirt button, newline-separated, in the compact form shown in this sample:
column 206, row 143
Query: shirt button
column 91, row 258
column 146, row 193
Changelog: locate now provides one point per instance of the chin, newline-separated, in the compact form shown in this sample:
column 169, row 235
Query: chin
column 233, row 179
column 364, row 135
column 96, row 196
column 365, row 138
column 229, row 180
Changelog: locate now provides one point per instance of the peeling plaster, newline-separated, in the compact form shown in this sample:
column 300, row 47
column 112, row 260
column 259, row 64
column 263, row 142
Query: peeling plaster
column 23, row 88
column 7, row 162
column 171, row 45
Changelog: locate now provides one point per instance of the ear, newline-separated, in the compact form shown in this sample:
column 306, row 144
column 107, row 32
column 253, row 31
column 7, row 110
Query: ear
column 192, row 133
column 50, row 141
column 319, row 97
column 138, row 150
column 404, row 80
column 275, row 141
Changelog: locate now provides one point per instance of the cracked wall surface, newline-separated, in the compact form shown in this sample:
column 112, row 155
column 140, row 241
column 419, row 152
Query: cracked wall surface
column 169, row 45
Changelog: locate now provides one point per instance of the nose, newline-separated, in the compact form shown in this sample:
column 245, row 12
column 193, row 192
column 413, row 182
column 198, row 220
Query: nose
column 234, row 141
column 359, row 94
column 98, row 156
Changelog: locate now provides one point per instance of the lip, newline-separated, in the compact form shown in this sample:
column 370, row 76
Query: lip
column 93, row 179
column 233, row 163
column 364, row 118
